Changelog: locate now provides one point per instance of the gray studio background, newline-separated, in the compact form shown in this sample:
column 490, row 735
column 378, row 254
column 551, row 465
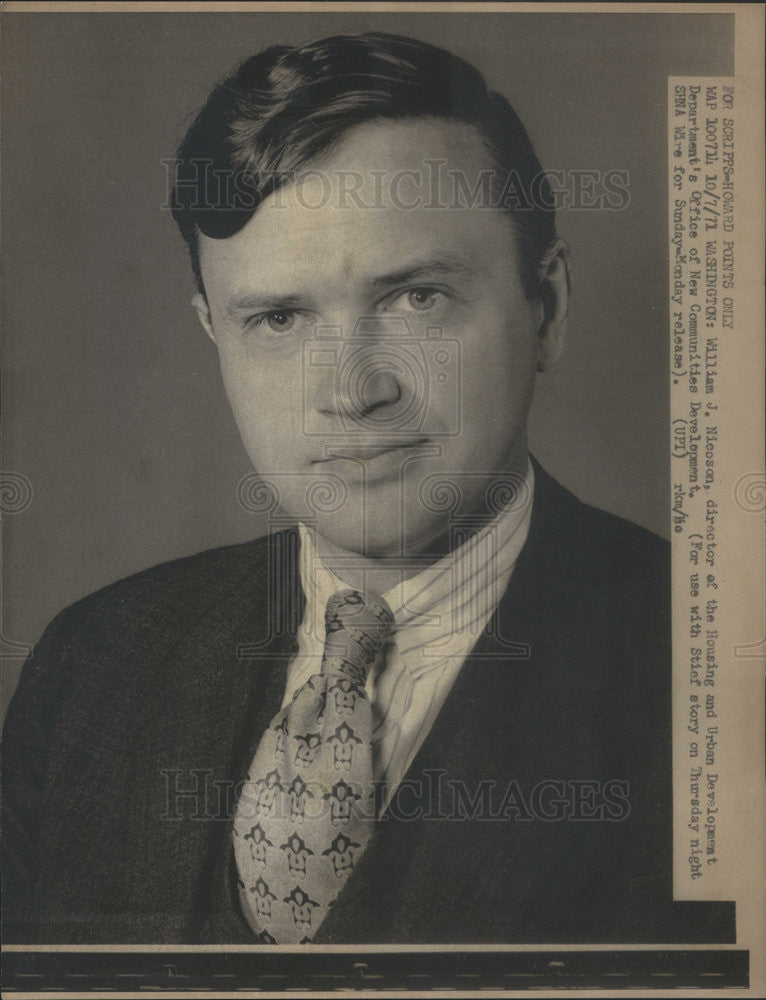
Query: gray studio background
column 114, row 409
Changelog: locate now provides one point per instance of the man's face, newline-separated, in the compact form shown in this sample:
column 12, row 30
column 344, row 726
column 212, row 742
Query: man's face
column 373, row 351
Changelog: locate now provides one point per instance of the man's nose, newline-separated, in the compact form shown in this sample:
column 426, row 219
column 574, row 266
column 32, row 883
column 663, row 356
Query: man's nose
column 367, row 388
column 366, row 383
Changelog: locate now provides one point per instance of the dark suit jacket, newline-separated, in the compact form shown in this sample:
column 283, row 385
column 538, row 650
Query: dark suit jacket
column 163, row 683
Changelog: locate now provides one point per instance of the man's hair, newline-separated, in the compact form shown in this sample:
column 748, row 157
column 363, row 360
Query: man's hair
column 286, row 106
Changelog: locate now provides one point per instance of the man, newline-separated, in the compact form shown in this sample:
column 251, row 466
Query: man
column 438, row 710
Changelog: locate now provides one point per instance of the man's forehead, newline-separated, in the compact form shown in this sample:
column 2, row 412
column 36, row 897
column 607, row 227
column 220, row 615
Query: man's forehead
column 382, row 201
column 322, row 264
column 260, row 273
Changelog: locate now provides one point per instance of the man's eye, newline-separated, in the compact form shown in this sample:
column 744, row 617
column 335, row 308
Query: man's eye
column 421, row 299
column 280, row 320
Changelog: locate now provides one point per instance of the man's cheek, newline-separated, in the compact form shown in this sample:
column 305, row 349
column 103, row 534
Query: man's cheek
column 274, row 441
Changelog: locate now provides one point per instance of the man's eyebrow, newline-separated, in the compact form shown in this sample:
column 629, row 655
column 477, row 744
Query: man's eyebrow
column 432, row 267
column 258, row 302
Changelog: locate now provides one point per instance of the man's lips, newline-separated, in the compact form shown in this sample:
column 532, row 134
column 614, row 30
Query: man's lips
column 364, row 453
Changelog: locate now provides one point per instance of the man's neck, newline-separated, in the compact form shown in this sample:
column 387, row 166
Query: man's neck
column 376, row 574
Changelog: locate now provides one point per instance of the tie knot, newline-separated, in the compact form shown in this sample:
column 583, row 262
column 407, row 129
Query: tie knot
column 356, row 625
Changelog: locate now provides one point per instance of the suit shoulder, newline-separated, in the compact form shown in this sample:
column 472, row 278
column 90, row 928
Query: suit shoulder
column 625, row 537
column 158, row 603
column 186, row 583
column 132, row 625
column 604, row 557
column 119, row 639
column 625, row 570
column 631, row 563
column 599, row 537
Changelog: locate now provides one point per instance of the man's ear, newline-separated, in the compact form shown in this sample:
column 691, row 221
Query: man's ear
column 202, row 309
column 553, row 287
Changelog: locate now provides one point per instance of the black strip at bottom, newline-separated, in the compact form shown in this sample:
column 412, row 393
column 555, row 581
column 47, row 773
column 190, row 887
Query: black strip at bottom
column 665, row 969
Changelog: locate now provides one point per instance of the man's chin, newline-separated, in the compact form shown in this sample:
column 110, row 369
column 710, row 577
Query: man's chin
column 387, row 533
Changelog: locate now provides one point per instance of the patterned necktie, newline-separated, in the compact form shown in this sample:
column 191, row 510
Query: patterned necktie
column 307, row 809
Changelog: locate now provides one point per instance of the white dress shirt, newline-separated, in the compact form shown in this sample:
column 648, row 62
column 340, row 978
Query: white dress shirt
column 439, row 613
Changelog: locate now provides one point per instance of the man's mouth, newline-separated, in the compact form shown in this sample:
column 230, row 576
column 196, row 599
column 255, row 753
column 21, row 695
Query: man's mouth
column 365, row 453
